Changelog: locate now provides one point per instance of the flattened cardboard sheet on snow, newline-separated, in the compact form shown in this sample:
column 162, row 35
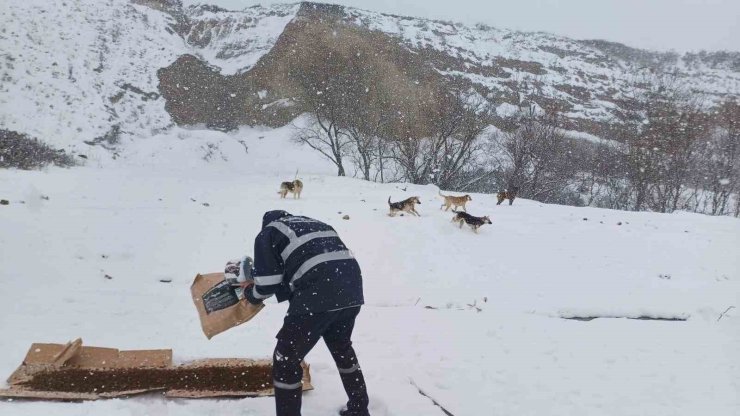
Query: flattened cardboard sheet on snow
column 72, row 372
column 65, row 396
column 226, row 363
column 47, row 357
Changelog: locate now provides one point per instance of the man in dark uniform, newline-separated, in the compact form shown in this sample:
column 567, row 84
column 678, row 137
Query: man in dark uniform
column 302, row 260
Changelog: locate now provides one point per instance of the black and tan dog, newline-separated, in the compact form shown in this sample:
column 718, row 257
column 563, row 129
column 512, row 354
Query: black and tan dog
column 296, row 187
column 474, row 222
column 454, row 201
column 407, row 205
column 509, row 194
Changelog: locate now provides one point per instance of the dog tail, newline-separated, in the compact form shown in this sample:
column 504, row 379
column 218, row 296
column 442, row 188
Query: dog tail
column 440, row 193
column 389, row 200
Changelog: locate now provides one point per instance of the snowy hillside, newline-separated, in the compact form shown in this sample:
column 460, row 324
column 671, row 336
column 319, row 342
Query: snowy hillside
column 74, row 70
column 554, row 66
column 86, row 70
column 234, row 41
column 475, row 321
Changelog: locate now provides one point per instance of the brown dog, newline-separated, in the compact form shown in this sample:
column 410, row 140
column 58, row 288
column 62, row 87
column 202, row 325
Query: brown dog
column 473, row 222
column 454, row 201
column 509, row 194
column 296, row 187
column 407, row 205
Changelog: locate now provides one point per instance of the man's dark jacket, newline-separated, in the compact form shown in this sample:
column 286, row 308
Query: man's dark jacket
column 303, row 260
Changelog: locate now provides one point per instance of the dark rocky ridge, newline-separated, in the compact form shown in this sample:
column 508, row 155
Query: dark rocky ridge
column 268, row 94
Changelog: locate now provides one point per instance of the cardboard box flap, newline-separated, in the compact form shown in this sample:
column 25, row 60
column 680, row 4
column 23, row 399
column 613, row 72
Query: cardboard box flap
column 145, row 358
column 14, row 393
column 95, row 357
column 68, row 351
column 56, row 354
column 225, row 362
column 73, row 354
column 19, row 393
column 209, row 394
column 128, row 393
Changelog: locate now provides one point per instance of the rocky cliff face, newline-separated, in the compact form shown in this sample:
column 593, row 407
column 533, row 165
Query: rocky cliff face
column 87, row 70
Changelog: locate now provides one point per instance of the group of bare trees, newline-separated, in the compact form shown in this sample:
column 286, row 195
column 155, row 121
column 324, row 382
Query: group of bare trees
column 666, row 153
column 717, row 181
column 679, row 157
column 386, row 128
column 451, row 155
column 536, row 157
column 379, row 141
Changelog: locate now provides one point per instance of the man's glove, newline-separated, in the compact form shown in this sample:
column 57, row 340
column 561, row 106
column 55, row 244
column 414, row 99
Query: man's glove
column 239, row 271
column 231, row 271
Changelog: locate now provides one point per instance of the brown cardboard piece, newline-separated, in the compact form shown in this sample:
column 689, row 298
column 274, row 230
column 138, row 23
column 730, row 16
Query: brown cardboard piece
column 218, row 307
column 43, row 359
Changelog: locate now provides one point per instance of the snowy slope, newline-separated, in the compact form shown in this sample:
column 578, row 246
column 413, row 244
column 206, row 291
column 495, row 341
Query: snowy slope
column 72, row 70
column 234, row 41
column 80, row 70
column 142, row 218
column 580, row 75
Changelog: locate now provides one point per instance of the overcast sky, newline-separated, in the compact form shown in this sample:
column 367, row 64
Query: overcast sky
column 681, row 25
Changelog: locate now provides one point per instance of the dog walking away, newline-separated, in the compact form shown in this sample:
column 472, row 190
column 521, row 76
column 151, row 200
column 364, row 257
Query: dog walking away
column 407, row 205
column 454, row 201
column 509, row 194
column 474, row 222
column 295, row 187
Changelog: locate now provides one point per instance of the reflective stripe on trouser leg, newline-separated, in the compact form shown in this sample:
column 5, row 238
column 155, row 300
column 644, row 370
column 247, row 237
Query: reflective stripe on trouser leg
column 349, row 370
column 288, row 402
column 287, row 374
column 286, row 386
column 354, row 386
column 351, row 375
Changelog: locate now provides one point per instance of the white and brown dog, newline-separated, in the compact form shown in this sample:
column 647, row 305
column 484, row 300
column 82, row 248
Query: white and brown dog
column 296, row 187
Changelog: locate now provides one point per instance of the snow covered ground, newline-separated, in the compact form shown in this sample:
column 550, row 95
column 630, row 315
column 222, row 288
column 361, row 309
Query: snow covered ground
column 141, row 218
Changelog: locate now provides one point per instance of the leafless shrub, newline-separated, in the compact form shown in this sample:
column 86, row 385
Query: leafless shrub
column 22, row 152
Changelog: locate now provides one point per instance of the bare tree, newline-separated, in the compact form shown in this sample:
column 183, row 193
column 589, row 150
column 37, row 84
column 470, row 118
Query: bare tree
column 324, row 135
column 366, row 127
column 451, row 155
column 608, row 167
column 673, row 127
column 538, row 158
column 718, row 168
column 325, row 84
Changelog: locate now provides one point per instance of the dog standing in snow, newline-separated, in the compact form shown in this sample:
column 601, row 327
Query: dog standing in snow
column 509, row 194
column 295, row 187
